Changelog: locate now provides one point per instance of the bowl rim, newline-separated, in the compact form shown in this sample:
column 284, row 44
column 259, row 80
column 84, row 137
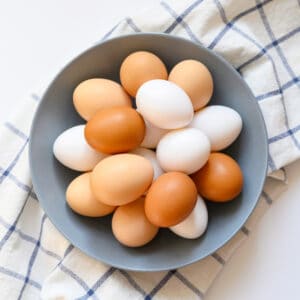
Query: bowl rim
column 203, row 48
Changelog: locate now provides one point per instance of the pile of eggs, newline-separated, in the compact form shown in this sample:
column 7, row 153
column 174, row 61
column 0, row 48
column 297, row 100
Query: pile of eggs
column 152, row 165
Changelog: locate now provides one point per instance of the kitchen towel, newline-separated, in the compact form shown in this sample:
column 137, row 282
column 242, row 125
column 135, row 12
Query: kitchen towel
column 260, row 39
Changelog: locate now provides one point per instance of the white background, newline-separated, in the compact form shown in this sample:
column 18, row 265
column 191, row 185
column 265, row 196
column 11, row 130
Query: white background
column 39, row 37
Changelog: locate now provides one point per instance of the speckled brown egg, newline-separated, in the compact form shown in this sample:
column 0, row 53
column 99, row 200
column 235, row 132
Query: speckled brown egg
column 97, row 93
column 130, row 225
column 220, row 180
column 121, row 178
column 170, row 199
column 81, row 199
column 115, row 130
column 195, row 79
column 139, row 67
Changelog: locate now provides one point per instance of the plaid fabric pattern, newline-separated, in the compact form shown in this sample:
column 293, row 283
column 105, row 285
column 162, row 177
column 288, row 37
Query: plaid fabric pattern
column 259, row 38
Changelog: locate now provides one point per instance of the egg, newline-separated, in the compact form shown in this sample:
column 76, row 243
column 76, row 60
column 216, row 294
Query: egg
column 152, row 135
column 195, row 79
column 71, row 149
column 151, row 156
column 139, row 67
column 170, row 199
column 221, row 124
column 130, row 225
column 185, row 150
column 115, row 130
column 220, row 180
column 195, row 224
column 82, row 200
column 121, row 178
column 94, row 94
column 164, row 104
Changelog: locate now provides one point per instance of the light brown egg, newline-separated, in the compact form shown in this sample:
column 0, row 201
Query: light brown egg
column 170, row 199
column 220, row 180
column 115, row 130
column 97, row 93
column 195, row 79
column 130, row 225
column 140, row 67
column 121, row 178
column 81, row 199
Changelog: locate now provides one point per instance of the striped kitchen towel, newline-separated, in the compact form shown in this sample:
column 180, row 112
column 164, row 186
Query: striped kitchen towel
column 260, row 39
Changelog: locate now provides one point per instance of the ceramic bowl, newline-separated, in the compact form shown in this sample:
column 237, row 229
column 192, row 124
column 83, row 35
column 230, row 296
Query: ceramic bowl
column 94, row 236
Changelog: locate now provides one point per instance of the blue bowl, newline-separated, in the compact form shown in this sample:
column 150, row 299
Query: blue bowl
column 94, row 236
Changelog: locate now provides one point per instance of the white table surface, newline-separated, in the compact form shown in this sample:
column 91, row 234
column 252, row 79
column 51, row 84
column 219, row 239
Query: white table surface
column 39, row 37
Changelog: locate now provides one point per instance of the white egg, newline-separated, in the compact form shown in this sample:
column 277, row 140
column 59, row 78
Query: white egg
column 151, row 156
column 185, row 150
column 221, row 124
column 195, row 224
column 164, row 104
column 71, row 149
column 152, row 135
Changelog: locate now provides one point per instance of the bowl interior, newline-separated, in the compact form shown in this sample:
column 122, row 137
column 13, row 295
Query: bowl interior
column 93, row 236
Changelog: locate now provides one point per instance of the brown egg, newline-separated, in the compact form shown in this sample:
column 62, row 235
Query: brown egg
column 130, row 225
column 115, row 130
column 81, row 199
column 195, row 79
column 97, row 93
column 220, row 180
column 122, row 178
column 140, row 67
column 170, row 199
